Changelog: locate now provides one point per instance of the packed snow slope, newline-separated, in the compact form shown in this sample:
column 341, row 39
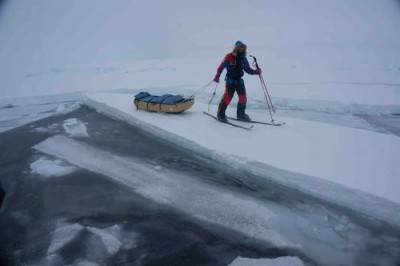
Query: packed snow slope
column 298, row 154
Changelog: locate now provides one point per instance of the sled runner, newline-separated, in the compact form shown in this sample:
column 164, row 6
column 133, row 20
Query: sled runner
column 166, row 103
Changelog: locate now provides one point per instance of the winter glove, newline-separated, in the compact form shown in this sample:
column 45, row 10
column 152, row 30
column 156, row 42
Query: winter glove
column 216, row 79
column 257, row 71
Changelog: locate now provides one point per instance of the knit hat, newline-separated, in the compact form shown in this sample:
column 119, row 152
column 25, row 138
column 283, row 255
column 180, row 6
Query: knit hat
column 237, row 45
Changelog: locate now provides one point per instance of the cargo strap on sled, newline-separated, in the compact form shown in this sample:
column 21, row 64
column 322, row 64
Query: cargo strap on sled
column 166, row 103
column 202, row 89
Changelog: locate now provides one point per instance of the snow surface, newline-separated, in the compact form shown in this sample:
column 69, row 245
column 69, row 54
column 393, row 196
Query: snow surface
column 20, row 111
column 357, row 159
column 75, row 128
column 64, row 235
column 282, row 261
column 86, row 263
column 111, row 243
column 51, row 168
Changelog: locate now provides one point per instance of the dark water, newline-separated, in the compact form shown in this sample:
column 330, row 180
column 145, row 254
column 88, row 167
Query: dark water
column 2, row 195
column 33, row 207
column 151, row 234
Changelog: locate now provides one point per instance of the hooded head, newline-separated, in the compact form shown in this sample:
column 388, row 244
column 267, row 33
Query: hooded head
column 239, row 49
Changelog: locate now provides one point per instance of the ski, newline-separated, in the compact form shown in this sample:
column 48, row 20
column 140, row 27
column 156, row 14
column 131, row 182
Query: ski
column 229, row 123
column 259, row 122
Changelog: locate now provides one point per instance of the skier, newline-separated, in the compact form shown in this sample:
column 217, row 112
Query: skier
column 235, row 63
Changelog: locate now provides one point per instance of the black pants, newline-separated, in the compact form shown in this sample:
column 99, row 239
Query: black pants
column 230, row 90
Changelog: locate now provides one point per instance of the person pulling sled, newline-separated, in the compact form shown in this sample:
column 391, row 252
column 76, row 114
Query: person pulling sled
column 236, row 64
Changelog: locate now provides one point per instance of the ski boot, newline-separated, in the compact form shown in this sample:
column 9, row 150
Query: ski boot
column 221, row 112
column 240, row 113
column 243, row 117
column 222, row 118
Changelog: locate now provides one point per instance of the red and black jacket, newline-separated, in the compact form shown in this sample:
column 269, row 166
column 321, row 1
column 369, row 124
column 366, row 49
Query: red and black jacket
column 235, row 66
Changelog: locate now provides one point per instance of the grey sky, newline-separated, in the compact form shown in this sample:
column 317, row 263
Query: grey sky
column 49, row 32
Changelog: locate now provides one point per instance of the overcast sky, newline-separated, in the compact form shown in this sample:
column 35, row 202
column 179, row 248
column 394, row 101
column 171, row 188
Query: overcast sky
column 50, row 32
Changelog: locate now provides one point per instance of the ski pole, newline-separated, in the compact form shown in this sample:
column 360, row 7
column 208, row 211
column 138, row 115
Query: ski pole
column 212, row 97
column 265, row 91
column 264, row 86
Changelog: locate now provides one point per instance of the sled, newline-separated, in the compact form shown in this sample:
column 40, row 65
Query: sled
column 166, row 103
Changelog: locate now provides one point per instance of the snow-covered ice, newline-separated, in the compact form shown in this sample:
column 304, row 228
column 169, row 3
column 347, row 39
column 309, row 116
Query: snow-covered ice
column 317, row 234
column 235, row 212
column 16, row 112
